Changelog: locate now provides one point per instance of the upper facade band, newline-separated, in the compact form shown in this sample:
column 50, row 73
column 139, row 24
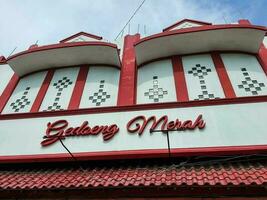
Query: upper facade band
column 189, row 61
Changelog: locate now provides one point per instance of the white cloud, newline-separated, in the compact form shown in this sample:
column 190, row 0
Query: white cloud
column 24, row 22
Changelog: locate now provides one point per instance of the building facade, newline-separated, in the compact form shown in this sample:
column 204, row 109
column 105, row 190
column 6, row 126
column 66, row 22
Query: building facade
column 178, row 114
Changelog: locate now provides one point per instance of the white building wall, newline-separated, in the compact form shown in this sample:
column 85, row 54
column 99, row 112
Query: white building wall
column 226, row 125
column 101, row 87
column 60, row 89
column 246, row 74
column 5, row 75
column 201, row 78
column 156, row 83
column 25, row 93
column 265, row 41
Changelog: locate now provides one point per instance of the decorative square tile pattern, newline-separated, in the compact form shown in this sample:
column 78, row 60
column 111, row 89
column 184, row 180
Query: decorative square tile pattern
column 22, row 102
column 156, row 93
column 100, row 96
column 60, row 85
column 246, row 74
column 25, row 93
column 155, row 83
column 200, row 72
column 101, row 87
column 251, row 86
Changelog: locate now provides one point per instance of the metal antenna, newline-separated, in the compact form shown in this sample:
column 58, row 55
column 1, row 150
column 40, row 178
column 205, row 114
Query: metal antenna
column 12, row 52
column 129, row 29
column 131, row 18
column 36, row 41
column 240, row 13
column 224, row 19
column 145, row 29
column 138, row 27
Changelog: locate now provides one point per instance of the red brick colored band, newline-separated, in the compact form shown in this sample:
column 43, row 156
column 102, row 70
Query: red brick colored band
column 223, row 76
column 262, row 58
column 41, row 94
column 8, row 91
column 78, row 88
column 128, row 76
column 179, row 78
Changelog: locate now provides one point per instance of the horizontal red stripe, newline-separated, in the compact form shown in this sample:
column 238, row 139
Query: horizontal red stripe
column 8, row 91
column 199, row 29
column 211, row 102
column 133, row 154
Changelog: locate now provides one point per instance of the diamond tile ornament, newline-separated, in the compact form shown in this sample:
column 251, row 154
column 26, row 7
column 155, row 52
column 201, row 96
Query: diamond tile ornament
column 155, row 93
column 200, row 72
column 60, row 85
column 100, row 96
column 250, row 85
column 21, row 102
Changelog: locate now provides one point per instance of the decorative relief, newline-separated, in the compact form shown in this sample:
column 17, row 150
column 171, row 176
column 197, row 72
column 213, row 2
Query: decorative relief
column 21, row 102
column 251, row 86
column 156, row 93
column 100, row 96
column 60, row 85
column 200, row 72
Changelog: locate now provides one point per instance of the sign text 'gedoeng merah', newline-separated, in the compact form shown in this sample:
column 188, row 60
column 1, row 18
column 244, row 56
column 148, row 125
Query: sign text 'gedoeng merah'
column 61, row 129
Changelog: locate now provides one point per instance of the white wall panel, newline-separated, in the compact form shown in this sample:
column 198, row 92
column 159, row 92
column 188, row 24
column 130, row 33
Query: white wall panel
column 101, row 87
column 156, row 83
column 5, row 75
column 265, row 41
column 226, row 125
column 25, row 93
column 60, row 89
column 201, row 78
column 246, row 74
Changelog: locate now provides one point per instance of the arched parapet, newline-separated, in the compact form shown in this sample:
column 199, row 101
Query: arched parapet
column 234, row 37
column 64, row 55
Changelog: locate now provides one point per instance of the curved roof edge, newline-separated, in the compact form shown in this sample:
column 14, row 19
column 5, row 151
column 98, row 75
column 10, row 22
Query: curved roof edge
column 246, row 38
column 2, row 60
column 64, row 54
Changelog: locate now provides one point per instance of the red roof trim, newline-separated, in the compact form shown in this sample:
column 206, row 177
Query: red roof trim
column 2, row 60
column 136, row 154
column 199, row 29
column 185, row 20
column 10, row 87
column 211, row 102
column 62, row 45
column 79, row 34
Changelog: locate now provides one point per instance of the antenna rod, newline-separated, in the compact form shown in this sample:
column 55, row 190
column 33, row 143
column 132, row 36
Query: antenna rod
column 12, row 52
column 130, row 18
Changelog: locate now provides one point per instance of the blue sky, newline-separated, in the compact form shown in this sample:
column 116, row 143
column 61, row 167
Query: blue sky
column 22, row 23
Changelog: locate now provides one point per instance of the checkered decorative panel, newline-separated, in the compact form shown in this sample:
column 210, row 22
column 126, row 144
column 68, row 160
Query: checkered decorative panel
column 156, row 93
column 246, row 74
column 60, row 85
column 200, row 72
column 100, row 96
column 251, row 86
column 21, row 102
